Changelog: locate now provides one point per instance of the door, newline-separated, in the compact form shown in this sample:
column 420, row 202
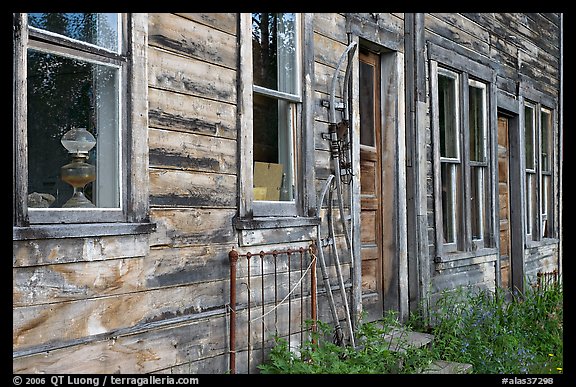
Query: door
column 370, row 185
column 504, row 201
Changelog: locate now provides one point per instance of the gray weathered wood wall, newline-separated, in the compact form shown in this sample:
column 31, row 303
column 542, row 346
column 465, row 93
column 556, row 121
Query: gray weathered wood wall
column 157, row 303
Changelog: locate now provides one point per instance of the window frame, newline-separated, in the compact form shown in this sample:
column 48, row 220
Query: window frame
column 484, row 165
column 535, row 199
column 471, row 75
column 530, row 174
column 547, row 177
column 132, row 216
column 453, row 163
column 266, row 214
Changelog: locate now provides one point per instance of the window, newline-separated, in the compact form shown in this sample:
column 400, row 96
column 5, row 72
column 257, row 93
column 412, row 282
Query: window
column 276, row 139
column 73, row 75
column 546, row 162
column 530, row 163
column 539, row 161
column 276, row 94
column 464, row 161
column 478, row 123
column 451, row 164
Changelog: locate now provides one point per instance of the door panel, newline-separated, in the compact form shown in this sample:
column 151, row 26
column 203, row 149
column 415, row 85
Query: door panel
column 504, row 200
column 370, row 185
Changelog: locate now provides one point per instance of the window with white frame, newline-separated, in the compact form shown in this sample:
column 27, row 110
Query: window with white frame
column 73, row 122
column 539, row 161
column 276, row 87
column 274, row 164
column 464, row 157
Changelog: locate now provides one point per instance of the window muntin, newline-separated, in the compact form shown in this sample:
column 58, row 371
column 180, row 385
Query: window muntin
column 276, row 87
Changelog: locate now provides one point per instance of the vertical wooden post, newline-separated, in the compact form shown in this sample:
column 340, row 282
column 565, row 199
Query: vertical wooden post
column 313, row 307
column 233, row 257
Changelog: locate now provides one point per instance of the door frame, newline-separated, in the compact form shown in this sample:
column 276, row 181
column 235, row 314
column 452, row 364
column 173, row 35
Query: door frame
column 393, row 130
column 510, row 109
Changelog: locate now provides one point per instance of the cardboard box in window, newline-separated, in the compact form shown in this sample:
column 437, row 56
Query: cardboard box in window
column 267, row 181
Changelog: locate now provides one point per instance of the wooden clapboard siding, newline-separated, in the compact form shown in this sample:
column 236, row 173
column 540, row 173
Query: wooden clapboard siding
column 72, row 320
column 225, row 22
column 187, row 151
column 76, row 281
column 192, row 227
column 170, row 188
column 465, row 276
column 66, row 250
column 332, row 25
column 328, row 51
column 174, row 111
column 142, row 352
column 182, row 35
column 181, row 74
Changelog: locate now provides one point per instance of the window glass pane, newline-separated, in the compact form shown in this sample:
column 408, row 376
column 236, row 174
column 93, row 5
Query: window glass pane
column 476, row 116
column 66, row 93
column 274, row 51
column 529, row 136
column 547, row 206
column 273, row 146
column 531, row 207
column 546, row 140
column 100, row 29
column 478, row 207
column 449, row 201
column 366, row 102
column 447, row 116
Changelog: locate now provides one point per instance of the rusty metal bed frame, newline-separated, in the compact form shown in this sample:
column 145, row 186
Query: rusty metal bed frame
column 272, row 294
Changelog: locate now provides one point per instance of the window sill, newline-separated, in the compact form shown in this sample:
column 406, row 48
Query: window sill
column 543, row 242
column 258, row 223
column 54, row 231
column 459, row 255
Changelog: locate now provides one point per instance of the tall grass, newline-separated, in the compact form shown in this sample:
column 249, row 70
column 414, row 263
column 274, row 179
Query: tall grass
column 499, row 332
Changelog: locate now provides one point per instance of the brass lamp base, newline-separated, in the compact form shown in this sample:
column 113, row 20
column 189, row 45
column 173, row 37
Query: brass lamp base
column 78, row 200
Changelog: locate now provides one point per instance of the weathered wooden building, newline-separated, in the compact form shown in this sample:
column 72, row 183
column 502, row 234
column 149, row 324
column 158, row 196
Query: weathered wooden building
column 214, row 133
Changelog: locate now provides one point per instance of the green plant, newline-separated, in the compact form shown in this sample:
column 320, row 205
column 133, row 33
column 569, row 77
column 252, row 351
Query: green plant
column 499, row 332
column 496, row 332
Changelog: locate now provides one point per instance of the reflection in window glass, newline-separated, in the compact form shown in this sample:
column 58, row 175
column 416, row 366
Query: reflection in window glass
column 65, row 93
column 529, row 136
column 274, row 51
column 366, row 102
column 100, row 29
column 448, row 116
column 449, row 177
column 275, row 69
column 476, row 117
column 546, row 140
column 477, row 205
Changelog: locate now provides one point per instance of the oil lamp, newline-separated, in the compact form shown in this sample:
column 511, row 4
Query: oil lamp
column 78, row 173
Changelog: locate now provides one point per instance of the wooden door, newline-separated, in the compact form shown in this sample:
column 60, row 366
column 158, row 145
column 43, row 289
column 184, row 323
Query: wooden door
column 504, row 200
column 370, row 185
